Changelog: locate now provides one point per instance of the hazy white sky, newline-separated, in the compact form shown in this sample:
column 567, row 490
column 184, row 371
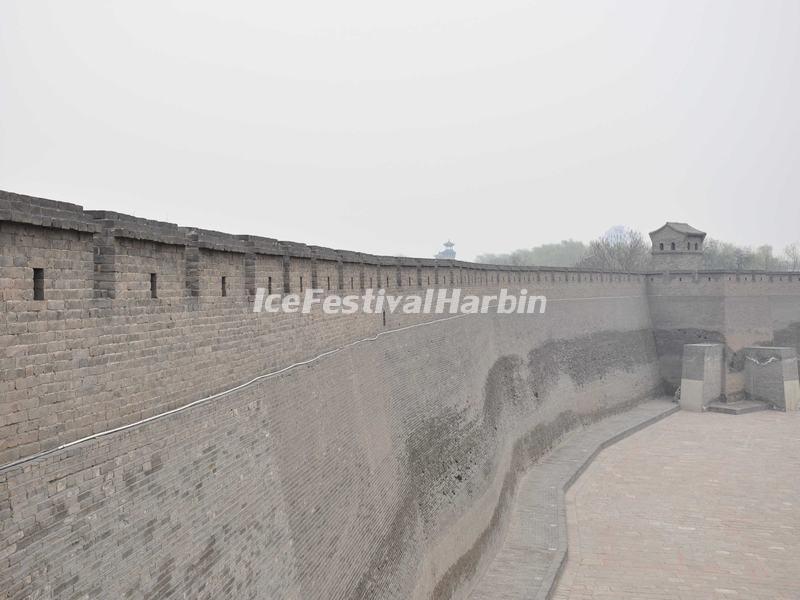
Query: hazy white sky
column 389, row 127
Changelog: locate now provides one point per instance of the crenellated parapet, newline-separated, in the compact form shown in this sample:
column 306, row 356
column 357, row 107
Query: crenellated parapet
column 137, row 259
column 107, row 317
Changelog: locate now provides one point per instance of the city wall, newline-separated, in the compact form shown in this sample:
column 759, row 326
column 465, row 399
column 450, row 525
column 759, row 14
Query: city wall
column 306, row 456
column 737, row 309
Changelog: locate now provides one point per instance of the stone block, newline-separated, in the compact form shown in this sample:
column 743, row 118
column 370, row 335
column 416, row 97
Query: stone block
column 702, row 377
column 771, row 376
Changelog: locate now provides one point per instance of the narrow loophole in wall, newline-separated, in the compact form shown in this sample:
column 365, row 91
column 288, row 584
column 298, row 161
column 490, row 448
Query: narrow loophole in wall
column 328, row 279
column 38, row 284
column 224, row 286
column 301, row 283
column 153, row 285
column 384, row 318
column 351, row 283
column 269, row 285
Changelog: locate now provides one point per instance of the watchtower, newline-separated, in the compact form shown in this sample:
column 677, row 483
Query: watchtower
column 677, row 246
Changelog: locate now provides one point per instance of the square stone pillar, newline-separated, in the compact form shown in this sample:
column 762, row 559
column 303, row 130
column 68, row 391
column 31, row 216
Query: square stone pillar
column 771, row 376
column 701, row 381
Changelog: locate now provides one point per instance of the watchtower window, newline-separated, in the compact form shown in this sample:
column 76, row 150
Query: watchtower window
column 224, row 286
column 695, row 246
column 38, row 284
column 661, row 246
column 672, row 246
column 153, row 285
column 688, row 245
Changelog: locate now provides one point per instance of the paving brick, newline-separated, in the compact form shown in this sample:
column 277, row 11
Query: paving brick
column 535, row 537
column 696, row 506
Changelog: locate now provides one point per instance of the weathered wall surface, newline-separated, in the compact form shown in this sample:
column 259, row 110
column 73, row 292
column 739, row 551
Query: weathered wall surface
column 678, row 260
column 383, row 469
column 734, row 309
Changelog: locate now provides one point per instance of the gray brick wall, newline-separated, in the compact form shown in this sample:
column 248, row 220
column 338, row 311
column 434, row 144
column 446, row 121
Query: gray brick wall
column 365, row 474
column 381, row 470
column 734, row 309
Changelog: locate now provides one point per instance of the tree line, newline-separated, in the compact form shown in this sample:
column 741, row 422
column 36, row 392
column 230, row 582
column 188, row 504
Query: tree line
column 623, row 249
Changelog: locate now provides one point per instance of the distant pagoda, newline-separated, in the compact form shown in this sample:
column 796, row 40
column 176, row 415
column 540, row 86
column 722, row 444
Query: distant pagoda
column 448, row 251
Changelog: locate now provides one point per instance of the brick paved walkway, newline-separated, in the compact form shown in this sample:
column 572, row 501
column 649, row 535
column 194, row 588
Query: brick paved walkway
column 695, row 507
column 535, row 543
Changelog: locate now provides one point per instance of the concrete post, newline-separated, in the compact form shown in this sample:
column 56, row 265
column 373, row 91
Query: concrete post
column 771, row 376
column 701, row 381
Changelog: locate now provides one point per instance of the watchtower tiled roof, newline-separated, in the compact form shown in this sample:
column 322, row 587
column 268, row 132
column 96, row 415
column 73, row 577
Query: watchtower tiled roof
column 684, row 228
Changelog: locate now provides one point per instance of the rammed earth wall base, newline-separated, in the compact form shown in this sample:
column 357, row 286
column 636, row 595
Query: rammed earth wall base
column 382, row 469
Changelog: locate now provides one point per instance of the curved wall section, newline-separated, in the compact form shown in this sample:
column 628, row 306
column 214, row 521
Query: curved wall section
column 159, row 439
column 382, row 470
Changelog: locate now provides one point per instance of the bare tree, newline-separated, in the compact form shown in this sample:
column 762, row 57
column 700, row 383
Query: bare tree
column 619, row 250
column 792, row 253
column 744, row 258
column 764, row 257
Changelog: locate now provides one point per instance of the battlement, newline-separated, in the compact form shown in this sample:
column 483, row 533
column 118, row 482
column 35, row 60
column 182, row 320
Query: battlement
column 44, row 213
column 110, row 255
